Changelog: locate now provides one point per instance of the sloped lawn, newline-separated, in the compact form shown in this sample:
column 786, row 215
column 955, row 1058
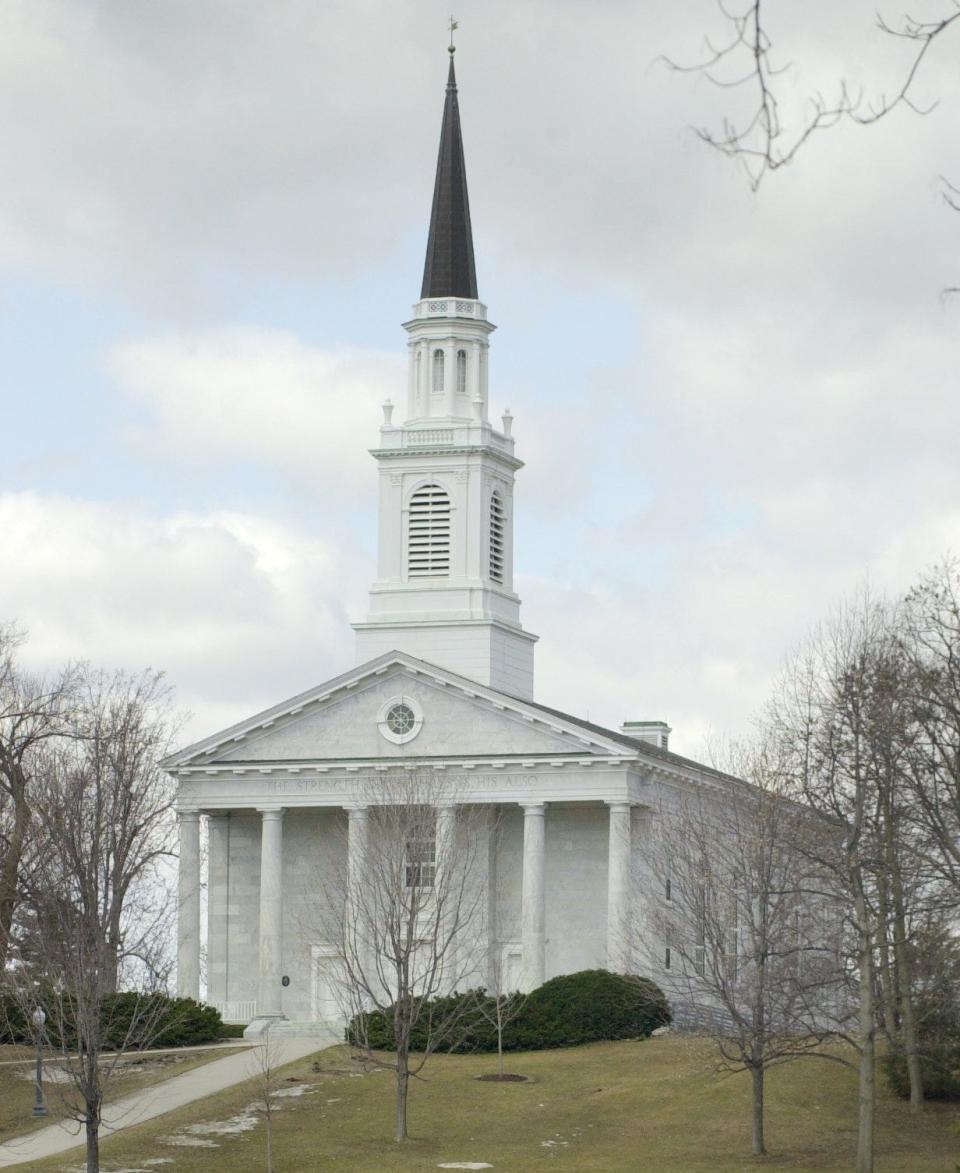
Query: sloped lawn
column 655, row 1106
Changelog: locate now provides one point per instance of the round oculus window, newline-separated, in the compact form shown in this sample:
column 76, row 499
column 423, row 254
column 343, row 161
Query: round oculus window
column 400, row 719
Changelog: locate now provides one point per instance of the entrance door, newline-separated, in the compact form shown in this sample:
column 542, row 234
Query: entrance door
column 327, row 993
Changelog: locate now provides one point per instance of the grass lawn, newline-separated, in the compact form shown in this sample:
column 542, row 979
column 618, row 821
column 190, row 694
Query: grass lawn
column 650, row 1107
column 17, row 1093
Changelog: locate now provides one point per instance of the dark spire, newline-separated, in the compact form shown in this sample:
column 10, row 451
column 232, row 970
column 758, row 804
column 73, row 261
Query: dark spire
column 449, row 269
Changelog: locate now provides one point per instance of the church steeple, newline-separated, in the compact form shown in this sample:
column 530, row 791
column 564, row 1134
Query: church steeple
column 444, row 588
column 449, row 269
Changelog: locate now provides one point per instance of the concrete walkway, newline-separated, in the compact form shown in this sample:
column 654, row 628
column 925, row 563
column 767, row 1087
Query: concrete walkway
column 155, row 1101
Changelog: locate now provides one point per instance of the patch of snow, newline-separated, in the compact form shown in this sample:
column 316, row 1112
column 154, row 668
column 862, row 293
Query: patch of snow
column 244, row 1121
column 188, row 1142
column 464, row 1165
column 159, row 1161
column 300, row 1089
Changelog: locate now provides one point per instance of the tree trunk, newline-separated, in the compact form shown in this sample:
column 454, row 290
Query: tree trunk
column 269, row 1142
column 908, row 1018
column 867, row 1044
column 888, row 995
column 756, row 1074
column 403, row 1082
column 93, row 1143
column 10, row 869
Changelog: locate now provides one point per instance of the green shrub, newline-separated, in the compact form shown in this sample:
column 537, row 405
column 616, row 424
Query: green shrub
column 586, row 1007
column 231, row 1030
column 939, row 1043
column 128, row 1019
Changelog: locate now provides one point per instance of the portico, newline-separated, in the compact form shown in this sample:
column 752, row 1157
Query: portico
column 522, row 900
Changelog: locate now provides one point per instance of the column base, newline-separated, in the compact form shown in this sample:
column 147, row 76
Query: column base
column 262, row 1024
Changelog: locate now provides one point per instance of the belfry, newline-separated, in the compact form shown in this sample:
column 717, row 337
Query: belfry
column 442, row 689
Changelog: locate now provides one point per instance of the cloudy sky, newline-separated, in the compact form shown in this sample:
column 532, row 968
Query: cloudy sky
column 734, row 407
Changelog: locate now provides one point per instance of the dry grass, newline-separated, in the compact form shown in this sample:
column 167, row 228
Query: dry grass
column 656, row 1106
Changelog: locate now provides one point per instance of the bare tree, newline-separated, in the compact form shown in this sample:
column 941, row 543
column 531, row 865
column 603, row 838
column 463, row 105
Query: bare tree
column 73, row 962
column 745, row 923
column 763, row 141
column 265, row 1065
column 124, row 726
column 33, row 709
column 931, row 641
column 406, row 919
column 839, row 719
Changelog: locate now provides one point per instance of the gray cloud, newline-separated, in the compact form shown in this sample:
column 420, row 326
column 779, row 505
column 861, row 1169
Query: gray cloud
column 785, row 420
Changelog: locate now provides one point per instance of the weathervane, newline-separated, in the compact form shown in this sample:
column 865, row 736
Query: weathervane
column 453, row 27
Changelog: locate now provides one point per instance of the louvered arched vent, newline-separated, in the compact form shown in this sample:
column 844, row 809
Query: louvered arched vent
column 428, row 550
column 461, row 372
column 498, row 520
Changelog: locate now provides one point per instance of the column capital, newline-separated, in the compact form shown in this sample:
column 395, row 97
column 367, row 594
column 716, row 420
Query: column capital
column 272, row 812
column 355, row 808
column 534, row 809
column 188, row 816
column 619, row 804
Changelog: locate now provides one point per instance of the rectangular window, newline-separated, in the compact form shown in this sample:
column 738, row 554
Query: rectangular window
column 421, row 861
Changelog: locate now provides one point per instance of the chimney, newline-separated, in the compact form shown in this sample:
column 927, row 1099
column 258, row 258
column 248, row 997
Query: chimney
column 655, row 732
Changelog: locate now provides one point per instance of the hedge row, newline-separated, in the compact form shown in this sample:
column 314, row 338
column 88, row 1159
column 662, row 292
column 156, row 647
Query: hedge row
column 127, row 1019
column 586, row 1007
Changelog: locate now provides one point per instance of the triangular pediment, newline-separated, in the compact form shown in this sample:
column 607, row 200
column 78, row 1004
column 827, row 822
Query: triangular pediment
column 345, row 720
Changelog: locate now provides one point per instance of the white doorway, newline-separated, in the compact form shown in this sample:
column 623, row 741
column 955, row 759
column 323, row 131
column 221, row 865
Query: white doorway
column 326, row 985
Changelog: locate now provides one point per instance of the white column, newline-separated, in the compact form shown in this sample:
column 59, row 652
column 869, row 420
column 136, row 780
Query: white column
column 361, row 933
column 271, row 913
column 188, row 906
column 445, row 885
column 618, row 888
column 533, row 899
column 450, row 375
column 218, row 873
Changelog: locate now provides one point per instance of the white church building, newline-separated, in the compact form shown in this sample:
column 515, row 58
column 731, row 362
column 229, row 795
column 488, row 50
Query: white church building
column 443, row 683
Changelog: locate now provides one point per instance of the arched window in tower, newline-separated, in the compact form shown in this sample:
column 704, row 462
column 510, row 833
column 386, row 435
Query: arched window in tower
column 437, row 370
column 428, row 542
column 498, row 524
column 461, row 372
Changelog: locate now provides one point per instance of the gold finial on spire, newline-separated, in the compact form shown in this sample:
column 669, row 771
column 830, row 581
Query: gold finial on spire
column 454, row 25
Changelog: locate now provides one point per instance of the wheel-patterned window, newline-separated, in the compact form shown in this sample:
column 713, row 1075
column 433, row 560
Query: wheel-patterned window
column 461, row 372
column 401, row 719
column 437, row 371
column 498, row 525
column 428, row 543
